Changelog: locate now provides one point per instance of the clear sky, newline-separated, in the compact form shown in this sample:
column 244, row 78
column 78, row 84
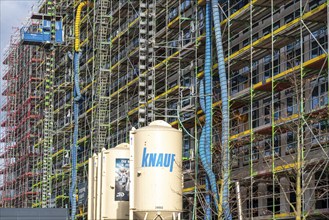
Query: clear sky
column 13, row 13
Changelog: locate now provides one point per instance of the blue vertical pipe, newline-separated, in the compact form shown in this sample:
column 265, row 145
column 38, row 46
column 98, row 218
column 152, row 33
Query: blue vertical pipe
column 77, row 92
column 204, row 155
column 206, row 105
column 225, row 111
column 208, row 81
column 77, row 99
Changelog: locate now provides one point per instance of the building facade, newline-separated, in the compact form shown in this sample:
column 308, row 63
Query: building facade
column 143, row 60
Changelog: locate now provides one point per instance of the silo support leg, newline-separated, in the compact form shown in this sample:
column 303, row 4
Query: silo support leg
column 146, row 214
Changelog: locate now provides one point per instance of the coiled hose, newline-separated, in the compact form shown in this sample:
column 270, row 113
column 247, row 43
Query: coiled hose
column 206, row 105
column 77, row 99
column 225, row 111
column 77, row 95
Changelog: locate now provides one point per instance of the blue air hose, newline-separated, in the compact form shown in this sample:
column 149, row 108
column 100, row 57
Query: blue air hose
column 225, row 111
column 205, row 127
column 74, row 159
column 205, row 156
column 208, row 82
column 206, row 105
column 77, row 99
column 77, row 96
column 204, row 153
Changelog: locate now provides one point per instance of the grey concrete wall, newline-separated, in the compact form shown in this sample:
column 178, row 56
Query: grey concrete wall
column 34, row 214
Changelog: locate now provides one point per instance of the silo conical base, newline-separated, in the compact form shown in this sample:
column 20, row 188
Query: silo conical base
column 161, row 215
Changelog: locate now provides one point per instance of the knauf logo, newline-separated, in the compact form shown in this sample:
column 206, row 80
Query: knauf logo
column 158, row 160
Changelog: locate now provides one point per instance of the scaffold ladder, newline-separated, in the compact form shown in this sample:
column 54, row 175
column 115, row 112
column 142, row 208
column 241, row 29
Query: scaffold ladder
column 146, row 61
column 142, row 62
column 151, row 61
column 101, row 97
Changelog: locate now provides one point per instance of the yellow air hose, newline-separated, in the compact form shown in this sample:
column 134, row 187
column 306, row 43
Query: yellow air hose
column 78, row 23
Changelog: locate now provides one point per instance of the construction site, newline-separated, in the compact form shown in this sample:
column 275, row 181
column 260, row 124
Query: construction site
column 246, row 81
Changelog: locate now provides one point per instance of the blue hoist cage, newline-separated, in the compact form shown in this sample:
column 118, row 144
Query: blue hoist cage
column 40, row 33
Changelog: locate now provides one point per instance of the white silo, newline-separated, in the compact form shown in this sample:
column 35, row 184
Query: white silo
column 156, row 166
column 117, row 205
column 111, row 182
column 92, row 186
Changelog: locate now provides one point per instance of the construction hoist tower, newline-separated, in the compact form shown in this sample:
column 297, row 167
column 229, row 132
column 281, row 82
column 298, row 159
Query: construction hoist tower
column 48, row 36
column 147, row 28
column 101, row 98
column 49, row 110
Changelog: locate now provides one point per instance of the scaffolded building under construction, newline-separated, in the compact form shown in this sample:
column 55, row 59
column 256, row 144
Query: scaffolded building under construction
column 142, row 60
